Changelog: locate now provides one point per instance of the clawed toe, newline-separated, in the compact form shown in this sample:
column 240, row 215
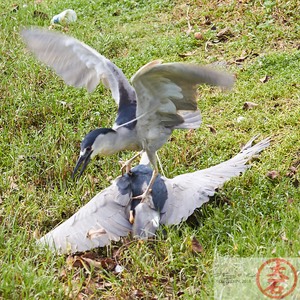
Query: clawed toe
column 143, row 196
column 125, row 167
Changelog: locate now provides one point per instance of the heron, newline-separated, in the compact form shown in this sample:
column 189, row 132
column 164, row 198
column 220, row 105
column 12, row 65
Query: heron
column 105, row 218
column 162, row 97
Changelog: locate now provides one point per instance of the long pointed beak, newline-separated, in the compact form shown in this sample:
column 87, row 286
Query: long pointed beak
column 82, row 160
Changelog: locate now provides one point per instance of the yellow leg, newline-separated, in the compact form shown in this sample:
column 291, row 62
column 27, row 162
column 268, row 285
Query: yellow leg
column 127, row 164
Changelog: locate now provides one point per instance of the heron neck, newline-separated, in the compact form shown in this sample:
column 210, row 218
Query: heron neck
column 115, row 141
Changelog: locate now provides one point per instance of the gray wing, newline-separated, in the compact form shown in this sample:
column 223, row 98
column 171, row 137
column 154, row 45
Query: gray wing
column 167, row 89
column 79, row 65
column 189, row 191
column 96, row 224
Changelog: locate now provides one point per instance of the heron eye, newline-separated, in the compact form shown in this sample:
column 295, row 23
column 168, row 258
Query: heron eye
column 89, row 148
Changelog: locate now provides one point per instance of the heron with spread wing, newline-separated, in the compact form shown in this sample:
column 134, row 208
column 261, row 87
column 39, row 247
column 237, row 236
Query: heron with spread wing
column 162, row 96
column 106, row 217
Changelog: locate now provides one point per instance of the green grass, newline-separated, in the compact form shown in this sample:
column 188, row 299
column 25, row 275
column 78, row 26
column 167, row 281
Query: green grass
column 42, row 122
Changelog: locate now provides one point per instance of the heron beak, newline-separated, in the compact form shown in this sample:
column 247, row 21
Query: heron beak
column 83, row 160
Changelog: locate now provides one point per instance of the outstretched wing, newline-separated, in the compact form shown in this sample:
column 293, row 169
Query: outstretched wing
column 81, row 66
column 189, row 191
column 166, row 89
column 100, row 221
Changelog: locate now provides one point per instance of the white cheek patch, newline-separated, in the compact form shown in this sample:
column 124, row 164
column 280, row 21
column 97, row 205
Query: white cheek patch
column 82, row 152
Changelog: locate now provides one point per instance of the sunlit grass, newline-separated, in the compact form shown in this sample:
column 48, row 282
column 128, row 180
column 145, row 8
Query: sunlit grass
column 42, row 122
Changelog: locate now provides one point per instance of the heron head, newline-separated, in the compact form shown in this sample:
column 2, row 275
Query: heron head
column 90, row 146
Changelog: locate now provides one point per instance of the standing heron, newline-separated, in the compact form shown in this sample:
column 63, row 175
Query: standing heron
column 163, row 96
column 105, row 218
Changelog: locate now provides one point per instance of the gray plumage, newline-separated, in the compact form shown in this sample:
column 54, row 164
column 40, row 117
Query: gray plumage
column 106, row 217
column 163, row 96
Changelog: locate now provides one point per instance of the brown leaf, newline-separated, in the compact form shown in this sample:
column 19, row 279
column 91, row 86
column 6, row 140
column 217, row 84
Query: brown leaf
column 292, row 172
column 249, row 105
column 187, row 54
column 207, row 20
column 224, row 34
column 196, row 246
column 296, row 183
column 189, row 134
column 41, row 15
column 93, row 263
column 198, row 36
column 290, row 200
column 265, row 79
column 15, row 8
column 13, row 185
column 212, row 129
column 273, row 174
column 77, row 262
column 137, row 294
column 241, row 59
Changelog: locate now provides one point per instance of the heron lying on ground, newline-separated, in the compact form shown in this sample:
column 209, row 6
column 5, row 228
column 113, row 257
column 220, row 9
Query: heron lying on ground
column 106, row 217
column 163, row 96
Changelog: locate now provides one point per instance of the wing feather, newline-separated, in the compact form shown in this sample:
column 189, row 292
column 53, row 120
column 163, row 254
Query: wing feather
column 76, row 63
column 189, row 191
column 173, row 82
column 96, row 224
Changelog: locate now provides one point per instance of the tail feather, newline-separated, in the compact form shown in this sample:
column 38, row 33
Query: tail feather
column 192, row 120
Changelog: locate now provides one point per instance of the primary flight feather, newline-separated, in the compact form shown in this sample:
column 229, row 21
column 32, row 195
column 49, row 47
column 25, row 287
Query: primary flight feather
column 162, row 97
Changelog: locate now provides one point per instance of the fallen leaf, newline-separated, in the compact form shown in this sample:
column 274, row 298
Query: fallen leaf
column 249, row 105
column 187, row 54
column 189, row 134
column 212, row 129
column 15, row 8
column 137, row 294
column 265, row 79
column 283, row 237
column 290, row 200
column 198, row 36
column 196, row 246
column 36, row 233
column 41, row 15
column 180, row 293
column 207, row 20
column 273, row 174
column 296, row 183
column 241, row 59
column 148, row 278
column 291, row 172
column 21, row 157
column 224, row 34
column 13, row 185
column 93, row 263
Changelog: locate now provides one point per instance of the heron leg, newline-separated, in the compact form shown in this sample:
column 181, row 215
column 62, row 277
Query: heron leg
column 127, row 164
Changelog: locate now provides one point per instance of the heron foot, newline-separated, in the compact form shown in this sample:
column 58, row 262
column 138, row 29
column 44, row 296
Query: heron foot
column 143, row 197
column 125, row 166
